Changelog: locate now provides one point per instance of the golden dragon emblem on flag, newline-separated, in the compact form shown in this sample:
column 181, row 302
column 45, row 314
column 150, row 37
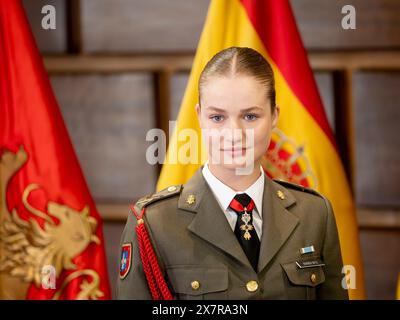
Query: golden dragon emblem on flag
column 27, row 246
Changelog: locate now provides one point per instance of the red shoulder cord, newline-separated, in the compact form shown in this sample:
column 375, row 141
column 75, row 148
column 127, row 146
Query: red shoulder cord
column 155, row 280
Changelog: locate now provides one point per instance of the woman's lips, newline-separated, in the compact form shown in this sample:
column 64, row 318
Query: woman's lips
column 234, row 151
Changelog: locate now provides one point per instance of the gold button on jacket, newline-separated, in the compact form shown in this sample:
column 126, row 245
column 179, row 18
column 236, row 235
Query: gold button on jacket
column 313, row 278
column 195, row 285
column 252, row 286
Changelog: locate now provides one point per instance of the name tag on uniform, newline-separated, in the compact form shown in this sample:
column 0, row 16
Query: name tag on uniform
column 309, row 264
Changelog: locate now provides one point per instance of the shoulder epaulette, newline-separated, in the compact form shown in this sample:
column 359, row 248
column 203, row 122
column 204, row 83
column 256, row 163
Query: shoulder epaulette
column 298, row 187
column 155, row 279
column 163, row 194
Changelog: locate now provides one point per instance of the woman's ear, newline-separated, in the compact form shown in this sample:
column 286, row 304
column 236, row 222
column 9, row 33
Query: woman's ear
column 198, row 110
column 275, row 116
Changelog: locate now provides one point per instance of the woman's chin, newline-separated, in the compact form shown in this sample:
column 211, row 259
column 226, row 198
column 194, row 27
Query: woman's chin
column 236, row 162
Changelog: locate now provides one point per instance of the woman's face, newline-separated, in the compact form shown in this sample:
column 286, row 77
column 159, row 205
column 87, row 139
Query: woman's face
column 236, row 120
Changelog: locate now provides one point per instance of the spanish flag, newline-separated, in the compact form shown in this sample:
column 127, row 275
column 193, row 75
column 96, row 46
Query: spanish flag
column 303, row 148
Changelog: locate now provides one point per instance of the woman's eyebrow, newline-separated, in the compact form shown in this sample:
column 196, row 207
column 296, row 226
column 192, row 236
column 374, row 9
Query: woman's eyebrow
column 211, row 108
column 252, row 109
column 255, row 108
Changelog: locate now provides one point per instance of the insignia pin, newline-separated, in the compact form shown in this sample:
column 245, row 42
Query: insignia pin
column 191, row 199
column 280, row 194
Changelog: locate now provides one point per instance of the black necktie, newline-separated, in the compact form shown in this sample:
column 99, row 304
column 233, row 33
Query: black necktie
column 243, row 205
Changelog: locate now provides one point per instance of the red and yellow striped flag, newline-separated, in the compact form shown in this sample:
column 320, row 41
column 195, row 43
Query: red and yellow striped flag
column 51, row 234
column 303, row 148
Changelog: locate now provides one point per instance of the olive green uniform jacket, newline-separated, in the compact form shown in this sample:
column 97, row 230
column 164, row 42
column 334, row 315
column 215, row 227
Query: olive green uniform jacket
column 202, row 259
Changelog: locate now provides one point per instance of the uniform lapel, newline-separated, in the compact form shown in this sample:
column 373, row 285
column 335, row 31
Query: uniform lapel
column 278, row 222
column 209, row 222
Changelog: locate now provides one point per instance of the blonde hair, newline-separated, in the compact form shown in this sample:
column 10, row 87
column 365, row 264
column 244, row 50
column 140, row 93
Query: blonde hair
column 240, row 60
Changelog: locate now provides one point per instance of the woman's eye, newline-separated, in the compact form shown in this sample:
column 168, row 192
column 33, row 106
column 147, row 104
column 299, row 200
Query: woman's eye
column 250, row 117
column 217, row 118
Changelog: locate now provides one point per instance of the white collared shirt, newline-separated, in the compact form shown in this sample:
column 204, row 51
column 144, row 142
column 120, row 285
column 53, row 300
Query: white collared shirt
column 225, row 194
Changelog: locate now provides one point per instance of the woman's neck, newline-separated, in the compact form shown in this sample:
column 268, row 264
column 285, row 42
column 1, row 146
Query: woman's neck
column 232, row 179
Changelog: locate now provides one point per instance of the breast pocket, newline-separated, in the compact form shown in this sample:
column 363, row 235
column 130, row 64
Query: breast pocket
column 303, row 277
column 198, row 282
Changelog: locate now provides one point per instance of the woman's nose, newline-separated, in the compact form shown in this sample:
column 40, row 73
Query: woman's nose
column 235, row 124
column 235, row 132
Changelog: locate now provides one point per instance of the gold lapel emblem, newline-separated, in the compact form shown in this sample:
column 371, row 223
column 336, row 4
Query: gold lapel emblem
column 280, row 194
column 191, row 199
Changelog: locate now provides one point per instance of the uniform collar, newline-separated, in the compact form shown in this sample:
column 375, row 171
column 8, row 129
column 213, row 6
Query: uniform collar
column 196, row 197
column 224, row 194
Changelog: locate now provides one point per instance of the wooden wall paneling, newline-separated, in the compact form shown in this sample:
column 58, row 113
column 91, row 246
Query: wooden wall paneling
column 134, row 26
column 108, row 117
column 142, row 25
column 324, row 80
column 178, row 87
column 162, row 90
column 74, row 26
column 49, row 41
column 377, row 114
column 344, row 125
column 380, row 249
column 377, row 24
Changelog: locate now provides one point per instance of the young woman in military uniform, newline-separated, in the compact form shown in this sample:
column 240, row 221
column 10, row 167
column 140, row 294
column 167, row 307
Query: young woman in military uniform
column 225, row 234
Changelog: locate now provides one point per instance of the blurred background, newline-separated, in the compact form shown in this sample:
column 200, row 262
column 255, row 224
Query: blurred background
column 119, row 68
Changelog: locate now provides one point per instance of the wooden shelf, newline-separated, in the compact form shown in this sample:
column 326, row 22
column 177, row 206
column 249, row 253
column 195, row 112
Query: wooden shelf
column 78, row 64
column 369, row 218
column 113, row 212
column 364, row 60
